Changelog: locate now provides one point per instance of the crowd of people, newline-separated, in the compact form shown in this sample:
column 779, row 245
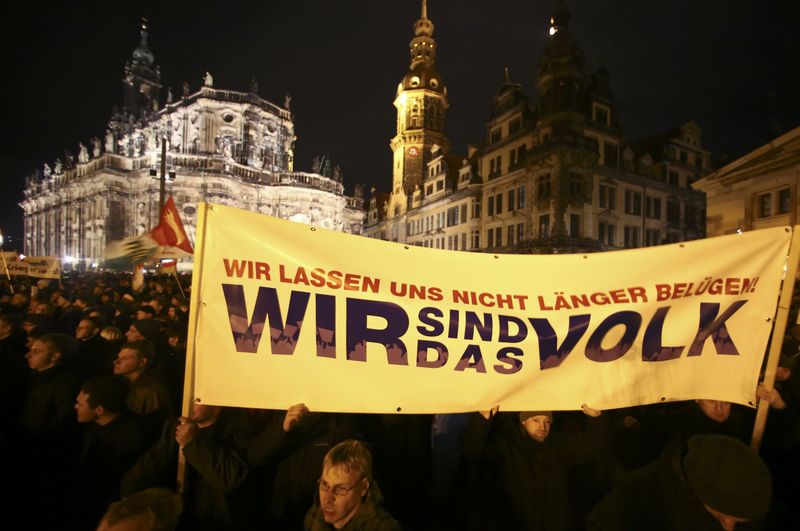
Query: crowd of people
column 93, row 374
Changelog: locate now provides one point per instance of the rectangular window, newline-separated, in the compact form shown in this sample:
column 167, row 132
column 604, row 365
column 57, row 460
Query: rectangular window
column 490, row 241
column 608, row 197
column 498, row 236
column 440, row 185
column 544, row 226
column 513, row 160
column 520, row 232
column 631, row 237
column 499, row 203
column 452, row 216
column 429, row 189
column 633, row 202
column 674, row 178
column 610, row 153
column 514, row 126
column 476, row 239
column 476, row 209
column 653, row 207
column 673, row 213
column 490, row 207
column 463, row 218
column 463, row 241
column 764, row 205
column 601, row 115
column 511, row 199
column 574, row 225
column 543, row 186
column 651, row 237
column 495, row 135
column 784, row 201
column 606, row 233
column 521, row 197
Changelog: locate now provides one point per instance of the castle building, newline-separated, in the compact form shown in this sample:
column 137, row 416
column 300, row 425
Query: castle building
column 218, row 146
column 556, row 174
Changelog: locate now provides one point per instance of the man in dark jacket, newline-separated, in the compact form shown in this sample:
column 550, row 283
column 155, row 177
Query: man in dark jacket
column 529, row 467
column 112, row 441
column 212, row 440
column 708, row 482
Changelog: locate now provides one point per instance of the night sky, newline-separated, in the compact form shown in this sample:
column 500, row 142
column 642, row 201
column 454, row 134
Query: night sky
column 730, row 65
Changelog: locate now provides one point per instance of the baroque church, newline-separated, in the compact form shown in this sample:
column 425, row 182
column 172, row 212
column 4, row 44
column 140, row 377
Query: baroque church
column 553, row 174
column 214, row 145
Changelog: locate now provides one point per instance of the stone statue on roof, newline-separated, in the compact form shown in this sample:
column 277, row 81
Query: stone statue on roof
column 169, row 95
column 83, row 153
column 208, row 80
column 95, row 147
column 47, row 171
column 186, row 89
column 109, row 141
column 287, row 102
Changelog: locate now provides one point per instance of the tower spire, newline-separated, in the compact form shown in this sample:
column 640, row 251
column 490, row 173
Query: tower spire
column 425, row 9
column 424, row 27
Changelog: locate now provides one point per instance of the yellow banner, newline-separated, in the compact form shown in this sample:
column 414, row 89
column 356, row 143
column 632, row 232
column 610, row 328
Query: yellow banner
column 290, row 313
column 31, row 266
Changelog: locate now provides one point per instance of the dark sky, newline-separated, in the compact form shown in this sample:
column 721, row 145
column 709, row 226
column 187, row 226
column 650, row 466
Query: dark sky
column 731, row 65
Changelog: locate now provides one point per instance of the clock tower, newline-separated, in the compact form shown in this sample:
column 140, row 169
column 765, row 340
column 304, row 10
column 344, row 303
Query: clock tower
column 421, row 102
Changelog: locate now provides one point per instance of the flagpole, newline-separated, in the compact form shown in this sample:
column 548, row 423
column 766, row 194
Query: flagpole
column 194, row 310
column 776, row 343
column 175, row 274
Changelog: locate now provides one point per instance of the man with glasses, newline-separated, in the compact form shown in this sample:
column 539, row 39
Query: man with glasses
column 348, row 496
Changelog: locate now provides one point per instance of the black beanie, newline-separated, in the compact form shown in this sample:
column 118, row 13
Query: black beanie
column 525, row 415
column 149, row 328
column 728, row 476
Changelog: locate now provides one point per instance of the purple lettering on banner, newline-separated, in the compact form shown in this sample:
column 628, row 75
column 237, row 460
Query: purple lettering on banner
column 713, row 326
column 511, row 364
column 652, row 347
column 423, row 346
column 550, row 354
column 358, row 334
column 425, row 317
column 503, row 322
column 472, row 359
column 247, row 334
column 326, row 326
column 632, row 321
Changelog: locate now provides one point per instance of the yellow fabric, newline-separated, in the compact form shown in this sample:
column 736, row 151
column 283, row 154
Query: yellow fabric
column 438, row 291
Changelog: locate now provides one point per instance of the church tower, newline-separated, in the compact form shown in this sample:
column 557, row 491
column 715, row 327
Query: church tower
column 421, row 103
column 142, row 80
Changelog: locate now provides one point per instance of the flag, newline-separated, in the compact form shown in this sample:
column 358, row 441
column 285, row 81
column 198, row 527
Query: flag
column 167, row 240
column 170, row 231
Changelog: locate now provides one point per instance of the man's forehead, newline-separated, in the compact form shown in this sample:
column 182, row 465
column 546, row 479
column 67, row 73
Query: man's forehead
column 337, row 474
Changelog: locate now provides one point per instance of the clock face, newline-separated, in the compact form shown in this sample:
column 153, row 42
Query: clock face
column 413, row 152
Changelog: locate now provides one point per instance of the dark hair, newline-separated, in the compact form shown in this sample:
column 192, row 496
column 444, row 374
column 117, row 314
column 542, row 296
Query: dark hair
column 61, row 343
column 107, row 391
column 11, row 319
column 143, row 347
column 96, row 325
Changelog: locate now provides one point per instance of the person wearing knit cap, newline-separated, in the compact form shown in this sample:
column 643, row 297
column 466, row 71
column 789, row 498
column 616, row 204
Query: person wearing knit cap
column 705, row 482
column 148, row 329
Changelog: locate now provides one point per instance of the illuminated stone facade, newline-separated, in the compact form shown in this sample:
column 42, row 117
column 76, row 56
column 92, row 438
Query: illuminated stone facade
column 554, row 175
column 222, row 146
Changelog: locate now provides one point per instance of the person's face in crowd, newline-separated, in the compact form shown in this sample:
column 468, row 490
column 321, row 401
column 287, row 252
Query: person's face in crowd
column 782, row 374
column 85, row 330
column 84, row 411
column 156, row 304
column 204, row 415
column 5, row 329
column 105, row 298
column 173, row 341
column 141, row 314
column 727, row 522
column 80, row 304
column 40, row 358
column 40, row 308
column 128, row 362
column 538, row 427
column 717, row 410
column 133, row 335
column 340, row 494
column 171, row 312
column 18, row 299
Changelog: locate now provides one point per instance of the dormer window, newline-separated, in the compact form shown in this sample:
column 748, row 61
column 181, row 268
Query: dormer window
column 415, row 80
column 601, row 114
